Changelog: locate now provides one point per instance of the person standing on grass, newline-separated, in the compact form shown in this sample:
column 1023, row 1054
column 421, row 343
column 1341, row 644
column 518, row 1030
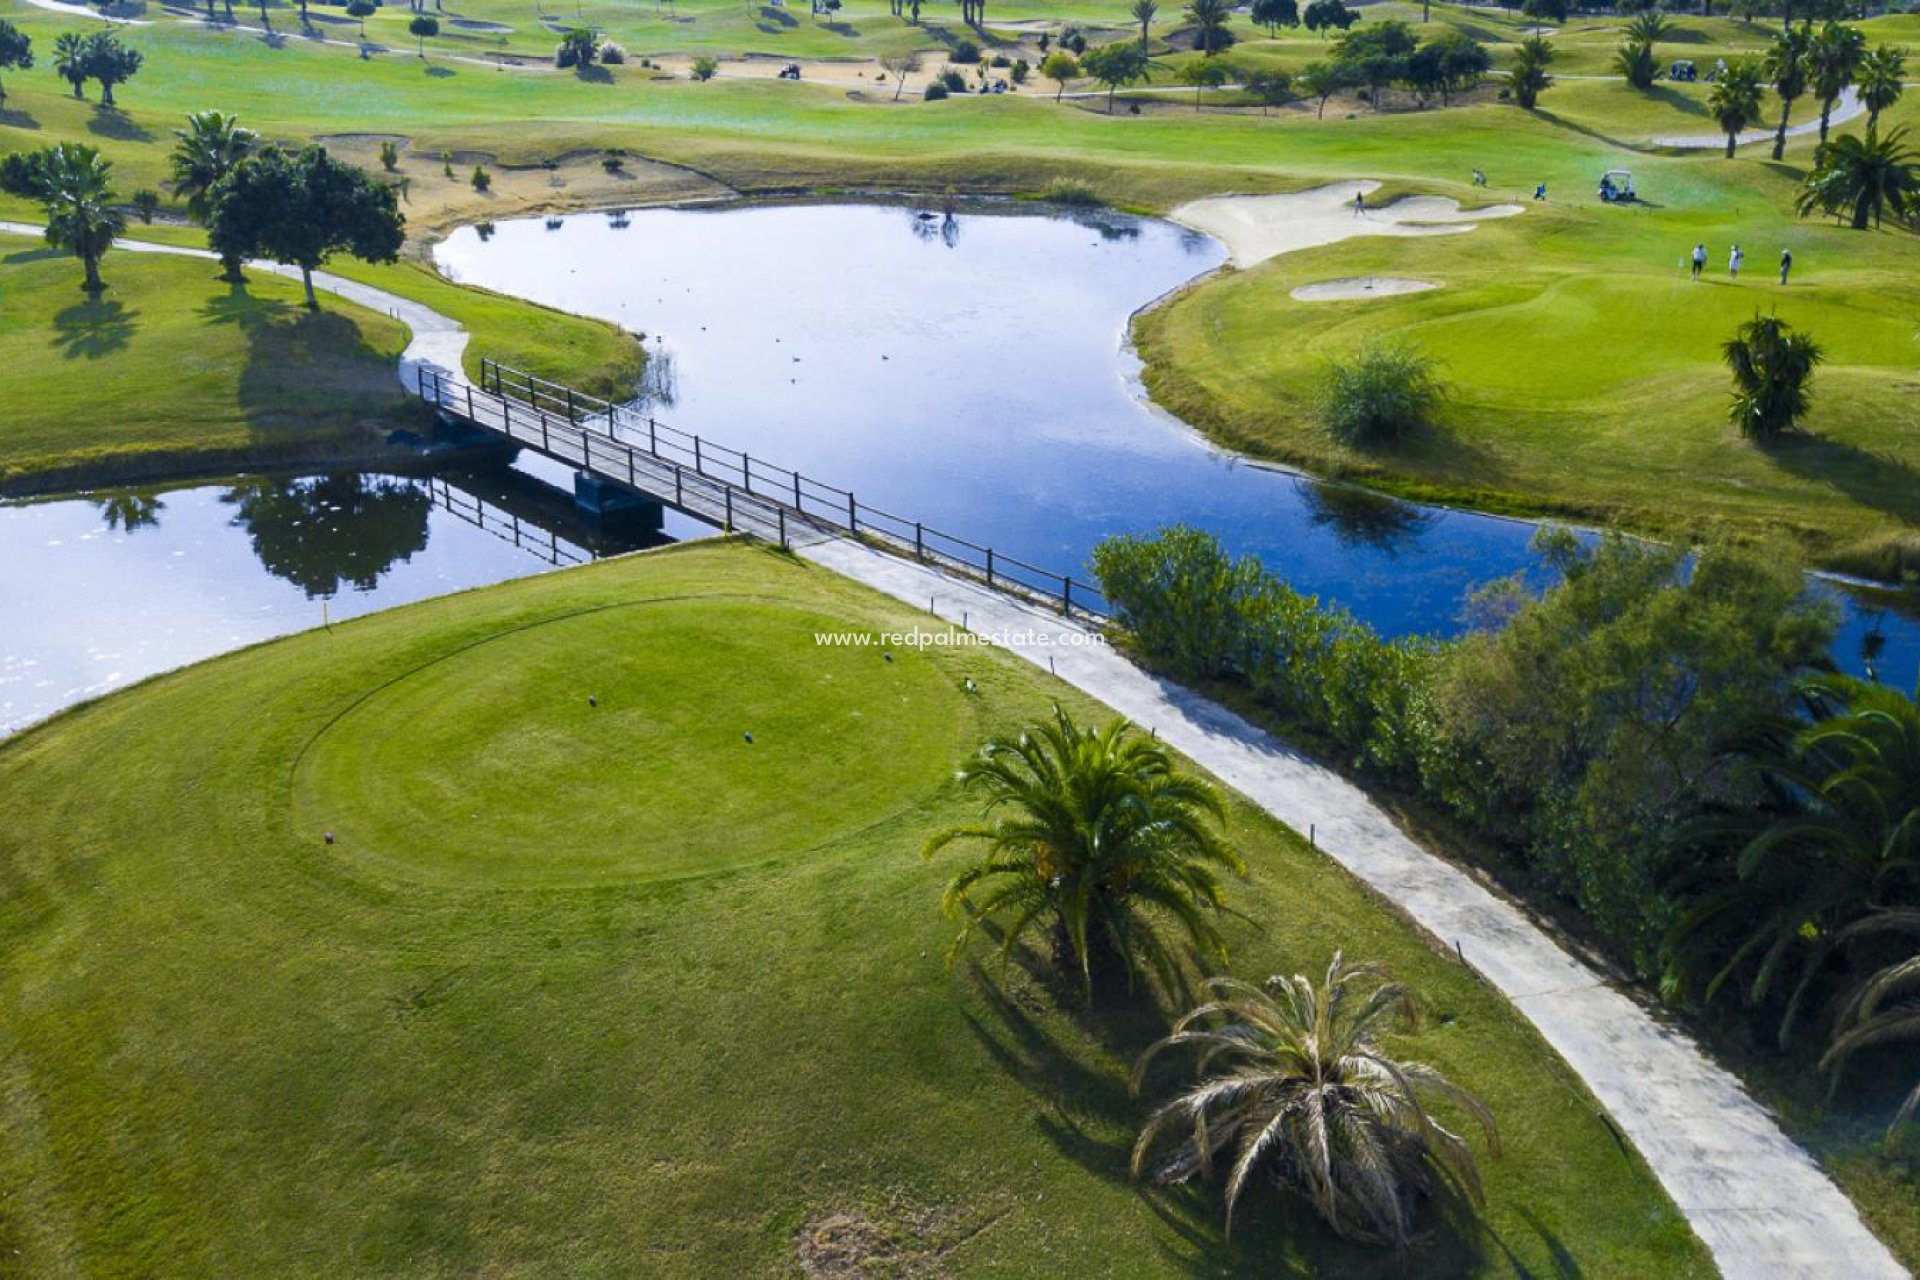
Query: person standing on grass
column 1359, row 203
column 1699, row 259
column 1734, row 260
column 1786, row 264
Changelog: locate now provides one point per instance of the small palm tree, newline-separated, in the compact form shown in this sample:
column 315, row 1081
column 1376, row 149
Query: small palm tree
column 1880, row 1009
column 1527, row 75
column 1882, row 81
column 1097, row 835
column 1785, row 66
column 1735, row 100
column 1635, row 62
column 77, row 193
column 71, row 58
column 1649, row 27
column 1144, row 12
column 203, row 153
column 1296, row 1087
column 1834, row 56
column 1864, row 178
column 1772, row 367
column 1209, row 19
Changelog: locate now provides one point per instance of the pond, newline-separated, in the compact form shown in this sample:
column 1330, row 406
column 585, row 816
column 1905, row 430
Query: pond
column 971, row 370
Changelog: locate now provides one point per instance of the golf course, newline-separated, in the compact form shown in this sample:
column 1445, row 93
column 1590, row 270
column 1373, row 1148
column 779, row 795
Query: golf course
column 670, row 916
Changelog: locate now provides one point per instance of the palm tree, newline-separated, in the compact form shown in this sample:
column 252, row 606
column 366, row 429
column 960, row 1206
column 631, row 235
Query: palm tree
column 71, row 56
column 1833, row 57
column 1880, row 1008
column 1634, row 60
column 1209, row 19
column 1735, row 100
column 1144, row 12
column 205, row 152
column 77, row 191
column 1785, row 66
column 1098, row 834
column 1772, row 366
column 1527, row 76
column 1648, row 27
column 1296, row 1086
column 1865, row 177
column 1881, row 81
column 1839, row 832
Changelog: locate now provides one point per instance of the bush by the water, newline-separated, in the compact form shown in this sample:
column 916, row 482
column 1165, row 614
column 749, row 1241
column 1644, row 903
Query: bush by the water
column 1381, row 393
column 1071, row 191
column 934, row 92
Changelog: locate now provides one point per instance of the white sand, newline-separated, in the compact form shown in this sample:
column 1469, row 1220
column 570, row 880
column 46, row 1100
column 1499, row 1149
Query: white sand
column 1255, row 228
column 1360, row 287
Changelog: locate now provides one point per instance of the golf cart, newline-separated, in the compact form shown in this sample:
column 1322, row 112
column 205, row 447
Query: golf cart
column 1683, row 71
column 1616, row 187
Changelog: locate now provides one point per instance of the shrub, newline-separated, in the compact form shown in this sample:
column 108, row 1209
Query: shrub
column 1021, row 70
column 613, row 160
column 1382, row 393
column 482, row 180
column 612, row 55
column 964, row 51
column 146, row 203
column 1071, row 191
column 1001, row 60
column 389, row 156
column 703, row 68
column 446, row 163
column 934, row 92
column 954, row 81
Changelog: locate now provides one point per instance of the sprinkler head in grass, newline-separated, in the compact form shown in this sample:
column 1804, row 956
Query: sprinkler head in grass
column 967, row 683
column 748, row 737
column 592, row 701
column 888, row 656
column 328, row 837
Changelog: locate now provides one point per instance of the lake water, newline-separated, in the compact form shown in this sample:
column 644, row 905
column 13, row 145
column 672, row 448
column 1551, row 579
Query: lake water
column 971, row 371
column 967, row 371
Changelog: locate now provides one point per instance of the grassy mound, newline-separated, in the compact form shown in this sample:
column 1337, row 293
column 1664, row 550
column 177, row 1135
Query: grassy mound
column 609, row 991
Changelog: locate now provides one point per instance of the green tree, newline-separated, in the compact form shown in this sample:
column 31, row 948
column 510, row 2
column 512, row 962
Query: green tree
column 70, row 61
column 900, row 66
column 362, row 9
column 1636, row 63
column 76, row 189
column 1554, row 11
column 1209, row 19
column 16, row 52
column 1144, row 12
column 300, row 209
column 1734, row 102
column 1274, row 14
column 1785, row 66
column 1834, row 57
column 1205, row 73
column 423, row 26
column 145, row 203
column 1270, row 88
column 1527, row 72
column 204, row 152
column 1648, row 27
column 111, row 63
column 1865, row 178
column 1328, row 15
column 1772, row 368
column 704, row 68
column 1881, row 1008
column 1882, row 81
column 1377, row 53
column 1296, row 1086
column 1115, row 65
column 577, row 48
column 1096, row 835
column 1059, row 67
column 1382, row 393
column 1321, row 80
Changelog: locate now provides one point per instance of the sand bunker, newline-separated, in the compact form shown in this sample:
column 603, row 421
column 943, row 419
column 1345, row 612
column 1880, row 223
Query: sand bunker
column 1360, row 287
column 1255, row 228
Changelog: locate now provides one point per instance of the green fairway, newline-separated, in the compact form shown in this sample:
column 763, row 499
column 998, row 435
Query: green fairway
column 172, row 368
column 609, row 990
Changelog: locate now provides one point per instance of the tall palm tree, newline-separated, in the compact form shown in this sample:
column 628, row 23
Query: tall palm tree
column 1209, row 19
column 1527, row 76
column 1648, row 27
column 1880, row 1009
column 1785, row 66
column 1838, row 833
column 1772, row 366
column 71, row 59
column 1882, row 82
column 1834, row 57
column 1864, row 178
column 1296, row 1086
column 1144, row 12
column 1096, row 835
column 77, row 190
column 203, row 153
column 1735, row 100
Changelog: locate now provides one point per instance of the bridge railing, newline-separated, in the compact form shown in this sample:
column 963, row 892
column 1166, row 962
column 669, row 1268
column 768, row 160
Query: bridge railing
column 726, row 485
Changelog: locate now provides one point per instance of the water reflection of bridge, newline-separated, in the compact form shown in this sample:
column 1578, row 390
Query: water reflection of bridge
column 534, row 516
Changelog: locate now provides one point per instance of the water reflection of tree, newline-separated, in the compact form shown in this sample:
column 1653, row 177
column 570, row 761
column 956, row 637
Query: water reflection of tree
column 944, row 227
column 1360, row 518
column 318, row 532
column 130, row 509
column 659, row 381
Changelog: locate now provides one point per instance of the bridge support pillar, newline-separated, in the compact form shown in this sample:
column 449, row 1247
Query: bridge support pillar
column 611, row 504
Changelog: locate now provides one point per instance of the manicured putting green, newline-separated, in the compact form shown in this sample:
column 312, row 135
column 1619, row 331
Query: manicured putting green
column 588, row 749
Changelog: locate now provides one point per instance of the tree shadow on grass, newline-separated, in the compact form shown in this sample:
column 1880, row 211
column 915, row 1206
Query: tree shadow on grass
column 24, row 256
column 118, row 126
column 1873, row 479
column 780, row 17
column 438, row 72
column 93, row 329
column 10, row 119
column 1683, row 103
column 1586, row 132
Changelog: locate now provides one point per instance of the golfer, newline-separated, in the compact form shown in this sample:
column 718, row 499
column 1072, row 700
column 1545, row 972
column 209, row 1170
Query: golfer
column 1734, row 260
column 1359, row 203
column 1786, row 264
column 1699, row 260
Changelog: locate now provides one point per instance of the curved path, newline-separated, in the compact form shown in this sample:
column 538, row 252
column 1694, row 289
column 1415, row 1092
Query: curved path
column 1848, row 107
column 1758, row 1201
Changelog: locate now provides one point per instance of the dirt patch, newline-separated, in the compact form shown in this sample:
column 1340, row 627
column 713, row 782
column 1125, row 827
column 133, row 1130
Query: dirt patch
column 1357, row 287
column 847, row 1245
